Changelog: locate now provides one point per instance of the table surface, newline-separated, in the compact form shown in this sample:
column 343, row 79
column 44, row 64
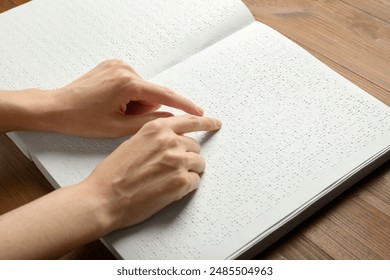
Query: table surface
column 353, row 38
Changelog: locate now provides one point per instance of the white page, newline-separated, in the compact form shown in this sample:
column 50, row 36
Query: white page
column 49, row 43
column 291, row 129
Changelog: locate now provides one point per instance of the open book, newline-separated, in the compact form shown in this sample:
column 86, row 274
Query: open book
column 295, row 133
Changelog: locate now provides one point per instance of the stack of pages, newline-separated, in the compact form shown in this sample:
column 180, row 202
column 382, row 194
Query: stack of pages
column 295, row 133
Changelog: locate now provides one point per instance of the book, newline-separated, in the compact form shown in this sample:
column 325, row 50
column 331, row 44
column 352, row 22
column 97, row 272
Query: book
column 295, row 133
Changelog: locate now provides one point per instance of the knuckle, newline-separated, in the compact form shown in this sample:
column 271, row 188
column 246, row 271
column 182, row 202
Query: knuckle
column 160, row 134
column 174, row 159
column 154, row 126
column 162, row 128
column 122, row 79
column 121, row 72
column 180, row 181
column 164, row 141
column 193, row 121
column 178, row 186
column 113, row 62
column 196, row 144
column 136, row 86
column 168, row 91
column 118, row 64
column 126, row 68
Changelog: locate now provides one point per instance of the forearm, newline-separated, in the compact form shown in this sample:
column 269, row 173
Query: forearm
column 30, row 109
column 52, row 225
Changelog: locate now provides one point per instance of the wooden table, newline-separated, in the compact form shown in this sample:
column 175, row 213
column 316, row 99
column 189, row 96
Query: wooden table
column 352, row 37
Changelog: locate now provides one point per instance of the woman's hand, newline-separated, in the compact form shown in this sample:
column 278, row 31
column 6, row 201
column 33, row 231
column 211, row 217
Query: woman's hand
column 113, row 100
column 157, row 166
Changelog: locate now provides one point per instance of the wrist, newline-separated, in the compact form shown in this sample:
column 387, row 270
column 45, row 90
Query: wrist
column 44, row 111
column 30, row 109
column 98, row 206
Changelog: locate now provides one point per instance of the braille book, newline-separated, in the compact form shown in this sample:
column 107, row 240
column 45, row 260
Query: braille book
column 295, row 133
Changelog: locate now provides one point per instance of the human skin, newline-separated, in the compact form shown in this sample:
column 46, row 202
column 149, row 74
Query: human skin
column 147, row 172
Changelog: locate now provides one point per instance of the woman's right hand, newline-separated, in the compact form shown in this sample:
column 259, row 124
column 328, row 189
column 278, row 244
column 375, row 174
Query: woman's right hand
column 154, row 168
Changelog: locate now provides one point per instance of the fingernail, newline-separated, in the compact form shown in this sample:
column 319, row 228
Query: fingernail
column 200, row 110
column 219, row 123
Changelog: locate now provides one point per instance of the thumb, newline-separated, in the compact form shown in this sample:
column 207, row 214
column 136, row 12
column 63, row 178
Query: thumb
column 133, row 123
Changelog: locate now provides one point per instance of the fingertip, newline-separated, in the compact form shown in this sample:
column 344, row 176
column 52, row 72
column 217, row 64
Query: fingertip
column 200, row 111
column 218, row 123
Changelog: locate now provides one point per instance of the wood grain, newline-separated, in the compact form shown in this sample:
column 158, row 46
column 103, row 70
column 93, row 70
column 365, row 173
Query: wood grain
column 353, row 223
column 8, row 4
column 353, row 38
column 336, row 30
column 379, row 9
column 22, row 182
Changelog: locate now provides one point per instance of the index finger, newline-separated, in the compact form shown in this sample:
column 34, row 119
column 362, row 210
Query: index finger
column 165, row 96
column 189, row 123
